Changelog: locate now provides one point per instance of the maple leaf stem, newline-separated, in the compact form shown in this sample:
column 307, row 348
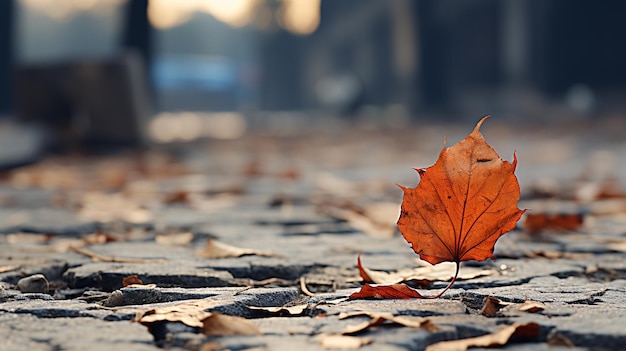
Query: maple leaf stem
column 456, row 274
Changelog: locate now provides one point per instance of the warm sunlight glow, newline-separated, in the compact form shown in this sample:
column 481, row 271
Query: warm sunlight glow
column 236, row 13
column 164, row 14
column 300, row 16
column 60, row 10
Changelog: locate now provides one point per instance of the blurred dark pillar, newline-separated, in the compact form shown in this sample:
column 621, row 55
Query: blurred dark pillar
column 6, row 55
column 433, row 45
column 576, row 42
column 137, row 33
column 281, row 65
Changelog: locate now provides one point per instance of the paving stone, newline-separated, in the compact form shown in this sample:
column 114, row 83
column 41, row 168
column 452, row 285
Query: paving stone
column 108, row 277
column 27, row 332
column 46, row 221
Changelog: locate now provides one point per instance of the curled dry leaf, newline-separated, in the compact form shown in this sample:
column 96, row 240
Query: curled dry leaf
column 376, row 220
column 216, row 249
column 193, row 314
column 219, row 324
column 462, row 204
column 190, row 313
column 378, row 318
column 494, row 306
column 531, row 306
column 343, row 342
column 131, row 280
column 502, row 337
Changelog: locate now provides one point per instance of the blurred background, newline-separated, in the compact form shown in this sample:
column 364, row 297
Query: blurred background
column 80, row 73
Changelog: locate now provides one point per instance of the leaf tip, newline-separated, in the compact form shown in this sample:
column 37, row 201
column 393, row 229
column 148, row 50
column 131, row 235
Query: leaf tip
column 480, row 123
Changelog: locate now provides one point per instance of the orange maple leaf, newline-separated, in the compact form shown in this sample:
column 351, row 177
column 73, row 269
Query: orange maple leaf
column 462, row 204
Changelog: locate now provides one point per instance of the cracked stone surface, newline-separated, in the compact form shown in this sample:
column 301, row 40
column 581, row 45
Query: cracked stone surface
column 284, row 196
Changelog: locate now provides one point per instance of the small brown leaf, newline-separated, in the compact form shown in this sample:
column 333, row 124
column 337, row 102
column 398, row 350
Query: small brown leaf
column 378, row 318
column 219, row 324
column 538, row 222
column 531, row 306
column 178, row 196
column 492, row 305
column 216, row 249
column 500, row 338
column 130, row 280
column 391, row 291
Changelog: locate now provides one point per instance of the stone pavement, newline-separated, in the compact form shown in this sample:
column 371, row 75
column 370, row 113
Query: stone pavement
column 268, row 228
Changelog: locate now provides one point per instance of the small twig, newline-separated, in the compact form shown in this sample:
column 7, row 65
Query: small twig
column 97, row 257
column 304, row 289
column 242, row 290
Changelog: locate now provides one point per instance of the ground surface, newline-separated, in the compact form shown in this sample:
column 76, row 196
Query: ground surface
column 278, row 218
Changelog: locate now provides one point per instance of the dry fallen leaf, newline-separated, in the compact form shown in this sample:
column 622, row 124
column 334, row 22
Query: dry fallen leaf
column 378, row 318
column 193, row 313
column 220, row 324
column 462, row 204
column 492, row 305
column 131, row 280
column 563, row 222
column 190, row 313
column 617, row 246
column 216, row 249
column 498, row 339
column 531, row 306
column 343, row 342
column 385, row 291
column 376, row 220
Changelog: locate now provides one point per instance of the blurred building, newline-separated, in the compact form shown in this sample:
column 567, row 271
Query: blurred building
column 427, row 56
